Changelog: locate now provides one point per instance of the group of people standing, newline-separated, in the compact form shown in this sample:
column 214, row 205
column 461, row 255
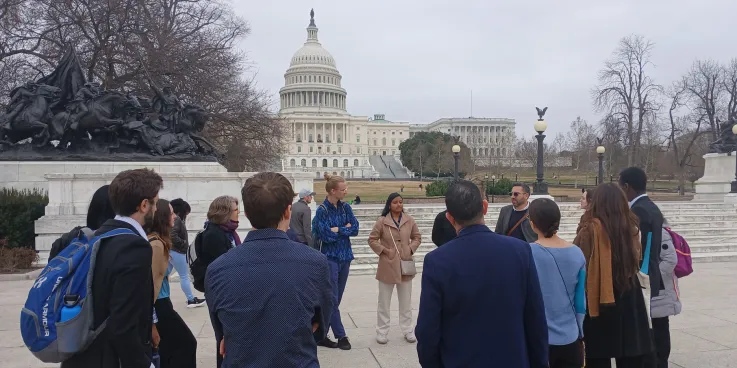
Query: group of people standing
column 591, row 288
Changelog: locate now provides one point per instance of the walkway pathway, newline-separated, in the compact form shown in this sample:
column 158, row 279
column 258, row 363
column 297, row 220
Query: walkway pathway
column 703, row 335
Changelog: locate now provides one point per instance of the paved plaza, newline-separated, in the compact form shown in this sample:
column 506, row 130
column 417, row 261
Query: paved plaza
column 704, row 335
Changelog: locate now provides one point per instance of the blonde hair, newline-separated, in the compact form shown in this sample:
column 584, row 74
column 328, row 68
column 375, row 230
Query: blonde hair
column 332, row 181
column 220, row 209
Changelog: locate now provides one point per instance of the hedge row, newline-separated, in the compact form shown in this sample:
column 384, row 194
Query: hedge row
column 18, row 211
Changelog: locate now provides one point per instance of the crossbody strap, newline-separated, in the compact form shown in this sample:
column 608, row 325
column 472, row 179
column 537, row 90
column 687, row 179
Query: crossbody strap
column 573, row 307
column 518, row 224
column 395, row 243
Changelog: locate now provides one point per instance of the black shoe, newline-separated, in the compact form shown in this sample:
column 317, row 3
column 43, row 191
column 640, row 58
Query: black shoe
column 326, row 342
column 196, row 302
column 344, row 344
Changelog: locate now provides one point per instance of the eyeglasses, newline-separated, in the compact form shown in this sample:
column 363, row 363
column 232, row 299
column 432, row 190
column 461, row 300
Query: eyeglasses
column 516, row 194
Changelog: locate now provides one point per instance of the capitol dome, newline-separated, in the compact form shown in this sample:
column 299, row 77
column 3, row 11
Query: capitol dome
column 312, row 84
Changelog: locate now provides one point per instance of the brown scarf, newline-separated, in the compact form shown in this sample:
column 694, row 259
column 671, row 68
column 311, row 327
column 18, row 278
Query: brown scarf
column 594, row 242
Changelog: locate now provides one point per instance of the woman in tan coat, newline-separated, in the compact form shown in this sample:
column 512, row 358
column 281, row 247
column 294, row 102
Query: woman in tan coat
column 395, row 238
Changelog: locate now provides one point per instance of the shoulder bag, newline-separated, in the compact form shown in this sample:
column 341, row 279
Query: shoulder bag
column 407, row 267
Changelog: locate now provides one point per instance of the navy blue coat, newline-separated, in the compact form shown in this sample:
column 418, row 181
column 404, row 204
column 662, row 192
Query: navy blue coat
column 481, row 304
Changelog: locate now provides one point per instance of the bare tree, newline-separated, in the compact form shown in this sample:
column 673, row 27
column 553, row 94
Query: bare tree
column 705, row 86
column 729, row 84
column 625, row 90
column 685, row 131
column 581, row 140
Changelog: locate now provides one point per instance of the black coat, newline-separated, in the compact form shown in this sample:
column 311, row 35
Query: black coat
column 442, row 230
column 651, row 221
column 215, row 243
column 123, row 294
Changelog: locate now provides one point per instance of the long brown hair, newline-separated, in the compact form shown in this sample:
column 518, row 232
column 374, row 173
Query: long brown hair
column 609, row 205
column 159, row 226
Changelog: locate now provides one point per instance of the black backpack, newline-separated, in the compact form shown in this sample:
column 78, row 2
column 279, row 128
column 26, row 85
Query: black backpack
column 196, row 265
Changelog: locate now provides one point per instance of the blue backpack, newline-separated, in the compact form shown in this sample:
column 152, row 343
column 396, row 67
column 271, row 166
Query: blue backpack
column 57, row 320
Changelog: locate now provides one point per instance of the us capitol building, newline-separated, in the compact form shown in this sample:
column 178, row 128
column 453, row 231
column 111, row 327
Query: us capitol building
column 324, row 138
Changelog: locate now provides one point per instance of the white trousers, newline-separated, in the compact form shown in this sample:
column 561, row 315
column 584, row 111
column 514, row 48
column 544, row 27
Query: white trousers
column 404, row 294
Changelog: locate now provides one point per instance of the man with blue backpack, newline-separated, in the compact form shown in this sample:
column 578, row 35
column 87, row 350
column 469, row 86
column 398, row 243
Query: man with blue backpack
column 92, row 305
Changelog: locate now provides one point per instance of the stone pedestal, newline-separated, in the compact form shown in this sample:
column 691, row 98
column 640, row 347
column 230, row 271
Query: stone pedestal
column 31, row 174
column 69, row 196
column 719, row 172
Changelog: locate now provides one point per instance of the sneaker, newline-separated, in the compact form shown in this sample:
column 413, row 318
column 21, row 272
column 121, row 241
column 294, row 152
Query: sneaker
column 326, row 342
column 196, row 302
column 344, row 344
column 381, row 339
column 410, row 337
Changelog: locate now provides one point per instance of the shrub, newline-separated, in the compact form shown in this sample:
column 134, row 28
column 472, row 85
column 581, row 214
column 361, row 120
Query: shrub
column 501, row 187
column 13, row 259
column 18, row 211
column 437, row 188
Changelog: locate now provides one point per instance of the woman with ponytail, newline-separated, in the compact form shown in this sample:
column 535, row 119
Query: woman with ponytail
column 562, row 269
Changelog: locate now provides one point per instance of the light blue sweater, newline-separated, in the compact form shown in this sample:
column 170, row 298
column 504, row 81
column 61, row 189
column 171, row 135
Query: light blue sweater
column 564, row 326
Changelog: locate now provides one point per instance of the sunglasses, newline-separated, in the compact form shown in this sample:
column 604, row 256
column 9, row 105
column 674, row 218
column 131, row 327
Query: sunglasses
column 516, row 194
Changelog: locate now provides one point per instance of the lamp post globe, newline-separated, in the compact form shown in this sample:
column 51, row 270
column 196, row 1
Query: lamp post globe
column 540, row 187
column 456, row 156
column 600, row 152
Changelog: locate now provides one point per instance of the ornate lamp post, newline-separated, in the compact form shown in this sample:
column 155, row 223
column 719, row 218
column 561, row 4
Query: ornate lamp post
column 540, row 187
column 493, row 184
column 456, row 157
column 734, row 182
column 600, row 152
column 486, row 187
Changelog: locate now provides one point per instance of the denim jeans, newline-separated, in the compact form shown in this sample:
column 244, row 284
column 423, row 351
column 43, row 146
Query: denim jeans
column 338, row 279
column 180, row 264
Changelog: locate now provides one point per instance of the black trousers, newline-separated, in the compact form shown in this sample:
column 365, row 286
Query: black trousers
column 632, row 362
column 661, row 337
column 178, row 346
column 566, row 356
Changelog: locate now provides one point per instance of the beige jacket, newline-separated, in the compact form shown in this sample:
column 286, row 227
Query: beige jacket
column 159, row 263
column 407, row 238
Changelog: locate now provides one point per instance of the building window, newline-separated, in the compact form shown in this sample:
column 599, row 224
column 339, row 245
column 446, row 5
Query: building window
column 292, row 163
column 299, row 137
column 355, row 162
column 317, row 175
column 319, row 138
column 310, row 138
column 335, row 162
column 392, row 133
column 358, row 138
column 299, row 149
column 340, row 138
column 324, row 162
column 400, row 133
column 340, row 149
column 394, row 142
column 327, row 138
column 383, row 141
column 358, row 149
column 375, row 142
column 312, row 149
column 303, row 163
column 314, row 162
column 345, row 163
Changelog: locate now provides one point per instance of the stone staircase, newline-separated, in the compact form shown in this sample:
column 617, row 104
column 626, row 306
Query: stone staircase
column 396, row 168
column 709, row 229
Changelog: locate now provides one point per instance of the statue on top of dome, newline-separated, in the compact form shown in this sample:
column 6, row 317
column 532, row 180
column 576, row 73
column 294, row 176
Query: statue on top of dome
column 312, row 18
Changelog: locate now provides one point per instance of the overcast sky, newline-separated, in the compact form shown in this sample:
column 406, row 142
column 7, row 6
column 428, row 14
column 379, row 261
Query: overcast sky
column 418, row 60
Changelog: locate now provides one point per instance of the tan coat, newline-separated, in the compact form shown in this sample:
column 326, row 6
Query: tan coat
column 407, row 238
column 159, row 263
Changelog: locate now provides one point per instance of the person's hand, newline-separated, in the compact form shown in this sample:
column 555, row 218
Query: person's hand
column 315, row 326
column 348, row 225
column 334, row 229
column 222, row 347
column 155, row 338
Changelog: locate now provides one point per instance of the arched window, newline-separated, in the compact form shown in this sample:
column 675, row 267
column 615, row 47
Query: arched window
column 355, row 162
column 342, row 173
column 314, row 162
column 383, row 141
column 345, row 163
column 324, row 162
column 303, row 163
column 335, row 173
column 317, row 175
column 335, row 162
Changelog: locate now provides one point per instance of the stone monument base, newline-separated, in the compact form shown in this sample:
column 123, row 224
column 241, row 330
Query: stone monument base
column 719, row 172
column 69, row 196
column 31, row 174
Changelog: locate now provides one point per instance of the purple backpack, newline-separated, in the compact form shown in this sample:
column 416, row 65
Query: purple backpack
column 684, row 266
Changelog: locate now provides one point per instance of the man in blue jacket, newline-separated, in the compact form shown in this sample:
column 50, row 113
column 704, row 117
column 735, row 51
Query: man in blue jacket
column 481, row 304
